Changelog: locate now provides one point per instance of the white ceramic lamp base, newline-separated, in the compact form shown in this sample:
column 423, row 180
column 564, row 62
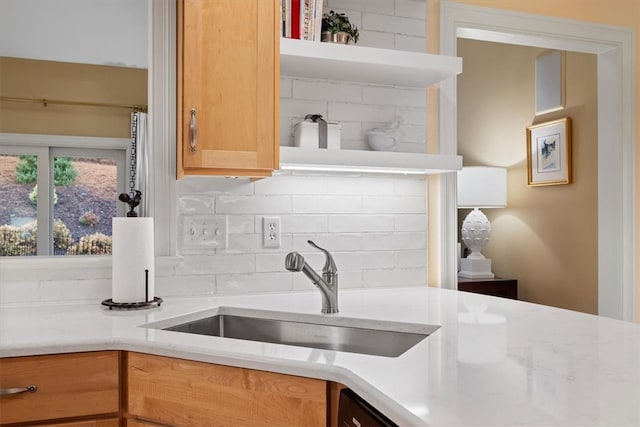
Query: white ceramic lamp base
column 479, row 268
column 476, row 229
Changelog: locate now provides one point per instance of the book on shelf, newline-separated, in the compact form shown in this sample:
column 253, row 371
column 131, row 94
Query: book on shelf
column 301, row 19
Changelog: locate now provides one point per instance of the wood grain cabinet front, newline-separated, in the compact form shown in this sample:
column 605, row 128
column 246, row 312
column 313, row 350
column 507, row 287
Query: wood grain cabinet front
column 228, row 87
column 178, row 392
column 67, row 386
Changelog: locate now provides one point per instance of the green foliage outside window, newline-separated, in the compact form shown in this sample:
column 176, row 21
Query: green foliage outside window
column 63, row 171
column 20, row 241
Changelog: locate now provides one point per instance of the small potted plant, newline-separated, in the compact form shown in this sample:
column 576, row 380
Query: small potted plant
column 336, row 28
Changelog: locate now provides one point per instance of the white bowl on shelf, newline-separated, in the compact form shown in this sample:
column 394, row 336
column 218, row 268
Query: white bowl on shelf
column 380, row 140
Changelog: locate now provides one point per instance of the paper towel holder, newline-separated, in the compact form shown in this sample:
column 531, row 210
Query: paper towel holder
column 155, row 302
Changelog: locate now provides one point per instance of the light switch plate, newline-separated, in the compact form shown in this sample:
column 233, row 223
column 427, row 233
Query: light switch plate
column 204, row 231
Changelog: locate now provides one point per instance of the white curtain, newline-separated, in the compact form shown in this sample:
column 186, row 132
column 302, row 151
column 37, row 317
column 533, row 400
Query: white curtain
column 139, row 171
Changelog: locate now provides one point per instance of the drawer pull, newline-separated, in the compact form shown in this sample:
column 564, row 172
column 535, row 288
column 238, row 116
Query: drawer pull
column 193, row 130
column 13, row 391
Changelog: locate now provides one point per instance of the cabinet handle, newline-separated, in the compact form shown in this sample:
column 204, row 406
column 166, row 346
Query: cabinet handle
column 193, row 130
column 13, row 391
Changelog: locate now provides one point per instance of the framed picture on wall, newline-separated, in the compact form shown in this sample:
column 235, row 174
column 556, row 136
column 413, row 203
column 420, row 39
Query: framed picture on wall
column 549, row 153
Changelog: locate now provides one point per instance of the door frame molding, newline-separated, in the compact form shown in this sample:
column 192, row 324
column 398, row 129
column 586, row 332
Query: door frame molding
column 614, row 49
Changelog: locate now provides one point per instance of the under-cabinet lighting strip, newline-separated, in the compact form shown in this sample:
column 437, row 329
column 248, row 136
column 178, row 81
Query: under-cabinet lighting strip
column 321, row 168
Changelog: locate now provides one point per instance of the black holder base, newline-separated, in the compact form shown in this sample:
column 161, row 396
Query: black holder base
column 155, row 302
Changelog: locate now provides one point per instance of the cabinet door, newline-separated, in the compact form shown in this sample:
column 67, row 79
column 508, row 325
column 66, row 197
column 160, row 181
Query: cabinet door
column 228, row 73
column 185, row 393
column 108, row 422
column 68, row 385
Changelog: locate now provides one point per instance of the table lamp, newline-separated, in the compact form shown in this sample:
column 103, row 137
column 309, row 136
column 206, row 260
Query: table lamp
column 479, row 187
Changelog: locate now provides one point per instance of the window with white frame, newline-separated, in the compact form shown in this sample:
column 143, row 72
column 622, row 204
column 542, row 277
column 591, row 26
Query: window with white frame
column 59, row 193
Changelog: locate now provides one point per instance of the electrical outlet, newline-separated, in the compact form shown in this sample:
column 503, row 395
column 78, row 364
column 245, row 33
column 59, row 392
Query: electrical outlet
column 271, row 231
column 204, row 231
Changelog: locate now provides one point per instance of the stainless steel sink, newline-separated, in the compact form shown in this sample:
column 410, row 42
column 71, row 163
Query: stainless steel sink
column 380, row 338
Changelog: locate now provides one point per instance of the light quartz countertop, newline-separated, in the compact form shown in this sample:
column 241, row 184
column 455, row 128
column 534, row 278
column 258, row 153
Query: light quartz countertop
column 492, row 362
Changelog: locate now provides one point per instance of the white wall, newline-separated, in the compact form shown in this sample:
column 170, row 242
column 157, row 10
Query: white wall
column 101, row 32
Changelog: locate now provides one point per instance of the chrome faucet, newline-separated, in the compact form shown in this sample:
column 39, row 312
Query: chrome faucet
column 327, row 284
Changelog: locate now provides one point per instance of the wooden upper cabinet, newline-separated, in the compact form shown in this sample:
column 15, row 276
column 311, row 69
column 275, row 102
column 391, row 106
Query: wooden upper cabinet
column 228, row 87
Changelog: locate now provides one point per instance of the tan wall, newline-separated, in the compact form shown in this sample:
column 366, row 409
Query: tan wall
column 622, row 13
column 547, row 236
column 23, row 78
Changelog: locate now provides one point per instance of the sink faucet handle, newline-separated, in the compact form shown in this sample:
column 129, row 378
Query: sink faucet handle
column 329, row 265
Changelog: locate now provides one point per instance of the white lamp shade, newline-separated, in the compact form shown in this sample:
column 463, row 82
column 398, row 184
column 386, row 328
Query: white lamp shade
column 482, row 187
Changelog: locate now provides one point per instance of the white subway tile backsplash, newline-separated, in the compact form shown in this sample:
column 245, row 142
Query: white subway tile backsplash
column 305, row 224
column 329, row 241
column 364, row 185
column 252, row 243
column 267, row 263
column 253, row 205
column 360, row 223
column 228, row 284
column 362, row 260
column 410, row 222
column 412, row 116
column 339, row 111
column 323, row 204
column 377, row 39
column 286, row 130
column 301, row 107
column 395, row 277
column 241, row 224
column 286, row 87
column 196, row 204
column 408, row 204
column 378, row 6
column 416, row 9
column 393, row 24
column 410, row 186
column 190, row 285
column 405, row 241
column 410, row 43
column 213, row 185
column 351, row 130
column 410, row 259
column 291, row 185
column 394, row 96
column 326, row 91
column 415, row 134
column 217, row 263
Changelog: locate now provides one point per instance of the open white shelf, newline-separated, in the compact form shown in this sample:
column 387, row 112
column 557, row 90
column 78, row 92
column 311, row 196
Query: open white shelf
column 301, row 58
column 360, row 161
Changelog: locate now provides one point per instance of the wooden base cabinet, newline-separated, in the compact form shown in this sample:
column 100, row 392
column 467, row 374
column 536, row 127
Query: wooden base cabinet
column 68, row 386
column 228, row 87
column 108, row 422
column 180, row 392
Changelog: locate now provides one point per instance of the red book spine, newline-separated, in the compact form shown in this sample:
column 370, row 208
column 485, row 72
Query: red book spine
column 295, row 19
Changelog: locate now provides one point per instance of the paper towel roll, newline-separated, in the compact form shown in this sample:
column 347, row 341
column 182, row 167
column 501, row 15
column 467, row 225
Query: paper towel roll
column 132, row 254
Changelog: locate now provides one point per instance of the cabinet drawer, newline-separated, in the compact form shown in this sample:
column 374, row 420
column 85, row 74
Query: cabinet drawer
column 107, row 422
column 185, row 393
column 68, row 385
